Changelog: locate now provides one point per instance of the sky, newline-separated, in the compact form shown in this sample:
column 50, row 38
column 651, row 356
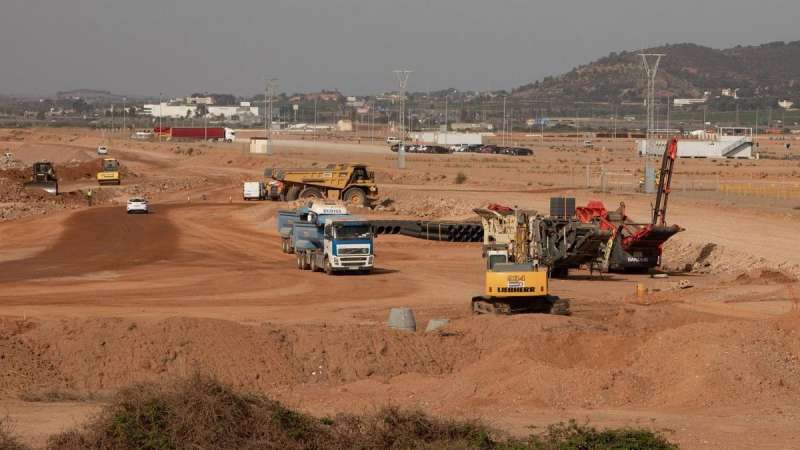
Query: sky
column 145, row 47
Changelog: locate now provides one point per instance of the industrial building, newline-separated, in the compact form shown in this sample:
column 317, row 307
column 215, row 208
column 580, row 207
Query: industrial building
column 179, row 111
column 725, row 142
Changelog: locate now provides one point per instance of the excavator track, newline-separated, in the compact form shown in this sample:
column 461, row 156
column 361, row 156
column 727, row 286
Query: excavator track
column 505, row 307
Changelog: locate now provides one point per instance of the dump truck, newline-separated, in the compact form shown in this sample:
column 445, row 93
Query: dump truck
column 325, row 237
column 43, row 178
column 516, row 277
column 353, row 184
column 109, row 172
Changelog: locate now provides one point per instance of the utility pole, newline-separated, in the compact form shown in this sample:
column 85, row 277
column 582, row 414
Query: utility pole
column 270, row 92
column 205, row 118
column 402, row 79
column 504, row 121
column 124, row 112
column 160, row 116
column 316, row 130
column 650, row 63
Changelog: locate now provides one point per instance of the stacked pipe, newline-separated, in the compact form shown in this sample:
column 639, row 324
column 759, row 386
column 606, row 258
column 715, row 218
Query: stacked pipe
column 432, row 231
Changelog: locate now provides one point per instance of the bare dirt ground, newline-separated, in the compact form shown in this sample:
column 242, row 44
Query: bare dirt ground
column 92, row 299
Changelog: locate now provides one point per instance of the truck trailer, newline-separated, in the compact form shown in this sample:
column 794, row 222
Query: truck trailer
column 325, row 237
column 189, row 133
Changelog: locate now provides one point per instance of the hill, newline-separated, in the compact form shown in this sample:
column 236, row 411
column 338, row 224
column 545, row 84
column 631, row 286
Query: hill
column 762, row 74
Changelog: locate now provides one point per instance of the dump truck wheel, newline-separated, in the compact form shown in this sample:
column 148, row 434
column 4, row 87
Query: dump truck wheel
column 300, row 261
column 311, row 192
column 355, row 197
column 328, row 267
column 314, row 267
column 284, row 245
column 307, row 261
column 292, row 194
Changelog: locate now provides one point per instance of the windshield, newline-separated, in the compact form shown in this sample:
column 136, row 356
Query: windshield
column 353, row 232
column 110, row 165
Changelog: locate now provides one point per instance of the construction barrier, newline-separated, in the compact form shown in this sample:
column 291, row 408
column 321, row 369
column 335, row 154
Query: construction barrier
column 780, row 191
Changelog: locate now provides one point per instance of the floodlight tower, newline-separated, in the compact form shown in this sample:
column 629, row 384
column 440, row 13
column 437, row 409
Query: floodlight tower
column 650, row 63
column 402, row 78
column 268, row 94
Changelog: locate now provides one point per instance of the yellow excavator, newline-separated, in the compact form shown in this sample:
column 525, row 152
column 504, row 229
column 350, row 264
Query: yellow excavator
column 516, row 278
column 109, row 172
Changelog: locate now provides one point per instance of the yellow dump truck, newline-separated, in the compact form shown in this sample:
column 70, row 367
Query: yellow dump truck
column 353, row 184
column 109, row 172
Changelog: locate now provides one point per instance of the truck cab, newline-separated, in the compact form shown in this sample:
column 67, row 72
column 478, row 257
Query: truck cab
column 324, row 236
column 109, row 172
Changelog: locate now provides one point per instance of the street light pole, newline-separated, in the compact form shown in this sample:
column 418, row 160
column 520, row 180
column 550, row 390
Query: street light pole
column 268, row 123
column 160, row 115
column 205, row 117
column 402, row 78
column 124, row 112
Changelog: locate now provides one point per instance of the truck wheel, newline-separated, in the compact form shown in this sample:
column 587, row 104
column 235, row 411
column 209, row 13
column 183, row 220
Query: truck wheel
column 285, row 245
column 307, row 261
column 328, row 267
column 311, row 192
column 292, row 194
column 299, row 261
column 355, row 197
column 314, row 267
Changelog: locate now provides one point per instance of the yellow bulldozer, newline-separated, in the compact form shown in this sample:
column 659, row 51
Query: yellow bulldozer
column 353, row 184
column 516, row 278
column 109, row 172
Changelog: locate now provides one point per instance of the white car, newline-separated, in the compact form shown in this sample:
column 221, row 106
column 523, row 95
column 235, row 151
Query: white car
column 391, row 140
column 137, row 205
column 102, row 150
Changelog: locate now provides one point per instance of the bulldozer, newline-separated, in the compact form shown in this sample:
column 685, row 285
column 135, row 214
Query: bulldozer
column 517, row 277
column 109, row 173
column 43, row 178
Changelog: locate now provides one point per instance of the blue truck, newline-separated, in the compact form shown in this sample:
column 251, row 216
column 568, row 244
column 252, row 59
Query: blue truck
column 325, row 237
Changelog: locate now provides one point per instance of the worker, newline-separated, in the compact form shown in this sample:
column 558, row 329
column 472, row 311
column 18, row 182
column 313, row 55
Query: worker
column 89, row 197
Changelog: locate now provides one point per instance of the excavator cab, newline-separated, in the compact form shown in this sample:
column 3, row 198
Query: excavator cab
column 43, row 178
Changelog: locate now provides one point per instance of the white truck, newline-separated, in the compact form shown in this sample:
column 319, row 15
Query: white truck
column 254, row 190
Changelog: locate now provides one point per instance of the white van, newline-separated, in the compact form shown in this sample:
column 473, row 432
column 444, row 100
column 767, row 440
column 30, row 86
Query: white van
column 253, row 190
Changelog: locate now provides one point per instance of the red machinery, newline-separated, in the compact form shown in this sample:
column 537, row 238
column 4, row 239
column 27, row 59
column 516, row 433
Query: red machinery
column 637, row 246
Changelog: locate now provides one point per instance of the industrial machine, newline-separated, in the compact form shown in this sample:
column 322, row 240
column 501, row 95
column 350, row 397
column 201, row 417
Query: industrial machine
column 637, row 247
column 350, row 183
column 43, row 178
column 324, row 236
column 516, row 279
column 109, row 172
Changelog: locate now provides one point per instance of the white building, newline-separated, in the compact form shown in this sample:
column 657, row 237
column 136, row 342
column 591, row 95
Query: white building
column 688, row 101
column 179, row 111
column 786, row 104
column 733, row 142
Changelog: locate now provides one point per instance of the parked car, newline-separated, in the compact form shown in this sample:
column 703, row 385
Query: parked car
column 137, row 205
column 490, row 149
column 102, row 150
column 517, row 151
column 474, row 148
column 438, row 150
column 458, row 148
column 392, row 140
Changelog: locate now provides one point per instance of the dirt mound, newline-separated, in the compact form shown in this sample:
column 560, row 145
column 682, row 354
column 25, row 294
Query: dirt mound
column 711, row 258
column 764, row 277
column 691, row 363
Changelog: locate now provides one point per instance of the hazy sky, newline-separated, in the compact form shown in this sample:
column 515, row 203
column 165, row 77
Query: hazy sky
column 181, row 46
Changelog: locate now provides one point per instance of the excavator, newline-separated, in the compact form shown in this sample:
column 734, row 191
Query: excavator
column 636, row 247
column 43, row 178
column 517, row 277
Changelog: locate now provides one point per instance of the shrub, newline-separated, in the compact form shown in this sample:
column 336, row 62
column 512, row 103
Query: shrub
column 461, row 177
column 199, row 413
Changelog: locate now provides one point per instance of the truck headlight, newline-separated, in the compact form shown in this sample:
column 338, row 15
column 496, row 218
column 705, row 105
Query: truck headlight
column 373, row 188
